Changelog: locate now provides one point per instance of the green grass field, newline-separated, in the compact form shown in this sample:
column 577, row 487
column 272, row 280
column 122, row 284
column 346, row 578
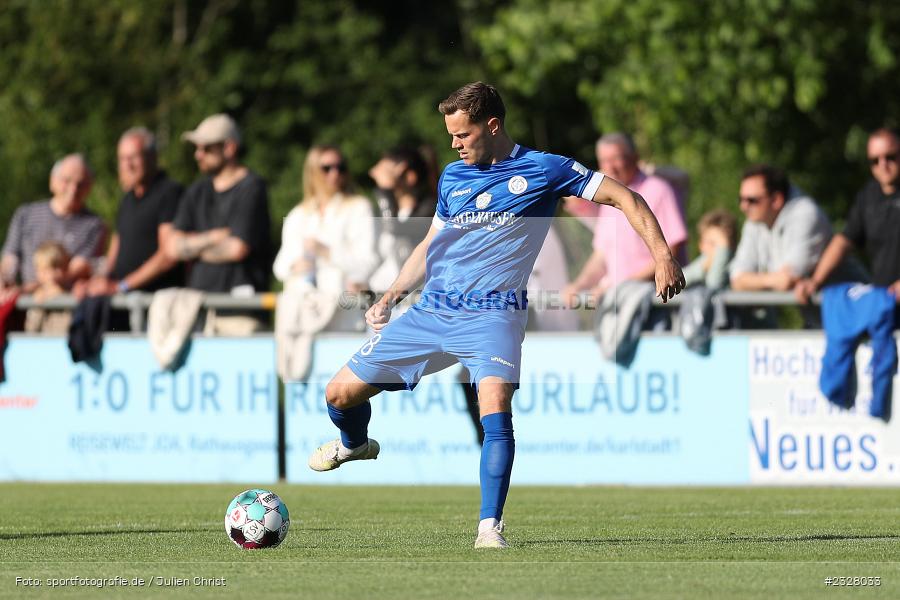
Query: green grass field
column 415, row 542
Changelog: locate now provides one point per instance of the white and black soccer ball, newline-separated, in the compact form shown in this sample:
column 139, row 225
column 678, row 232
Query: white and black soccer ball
column 257, row 519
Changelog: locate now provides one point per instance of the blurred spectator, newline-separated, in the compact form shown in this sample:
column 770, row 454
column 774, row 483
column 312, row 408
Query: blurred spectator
column 432, row 166
column 136, row 259
column 223, row 225
column 619, row 253
column 702, row 310
column 784, row 234
column 328, row 239
column 718, row 236
column 63, row 218
column 681, row 185
column 548, row 278
column 51, row 262
column 677, row 178
column 873, row 224
column 406, row 208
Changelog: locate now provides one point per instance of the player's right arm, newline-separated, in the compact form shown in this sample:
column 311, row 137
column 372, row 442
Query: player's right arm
column 411, row 275
column 668, row 275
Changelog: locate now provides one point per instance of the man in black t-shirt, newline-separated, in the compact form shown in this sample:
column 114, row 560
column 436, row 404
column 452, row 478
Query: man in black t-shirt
column 223, row 224
column 873, row 223
column 136, row 259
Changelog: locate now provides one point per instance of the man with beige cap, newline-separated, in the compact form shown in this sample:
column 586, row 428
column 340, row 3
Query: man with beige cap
column 223, row 225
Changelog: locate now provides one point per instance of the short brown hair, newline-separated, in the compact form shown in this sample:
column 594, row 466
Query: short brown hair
column 774, row 178
column 51, row 254
column 722, row 219
column 478, row 100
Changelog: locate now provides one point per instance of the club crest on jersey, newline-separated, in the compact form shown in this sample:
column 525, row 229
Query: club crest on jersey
column 482, row 201
column 517, row 184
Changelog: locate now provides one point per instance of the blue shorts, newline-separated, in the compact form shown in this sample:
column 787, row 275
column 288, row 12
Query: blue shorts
column 419, row 342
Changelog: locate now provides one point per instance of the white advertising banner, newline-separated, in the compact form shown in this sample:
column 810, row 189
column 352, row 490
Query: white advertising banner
column 797, row 437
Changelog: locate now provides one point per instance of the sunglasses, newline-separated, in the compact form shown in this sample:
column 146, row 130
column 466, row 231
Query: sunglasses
column 749, row 199
column 874, row 160
column 339, row 167
column 206, row 148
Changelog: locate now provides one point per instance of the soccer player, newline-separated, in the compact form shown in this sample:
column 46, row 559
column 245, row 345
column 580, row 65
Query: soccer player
column 494, row 209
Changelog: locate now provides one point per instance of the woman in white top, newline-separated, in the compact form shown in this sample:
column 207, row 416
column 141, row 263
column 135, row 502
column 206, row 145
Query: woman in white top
column 328, row 239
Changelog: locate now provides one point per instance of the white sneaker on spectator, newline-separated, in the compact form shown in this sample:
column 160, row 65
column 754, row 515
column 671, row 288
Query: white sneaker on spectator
column 331, row 455
column 491, row 536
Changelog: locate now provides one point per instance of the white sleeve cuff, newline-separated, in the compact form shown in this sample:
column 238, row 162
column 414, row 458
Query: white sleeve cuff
column 437, row 222
column 592, row 186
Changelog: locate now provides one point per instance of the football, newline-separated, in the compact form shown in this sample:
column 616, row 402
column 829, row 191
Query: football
column 257, row 519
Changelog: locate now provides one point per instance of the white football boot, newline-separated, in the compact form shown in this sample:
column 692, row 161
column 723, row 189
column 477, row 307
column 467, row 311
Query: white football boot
column 491, row 537
column 331, row 455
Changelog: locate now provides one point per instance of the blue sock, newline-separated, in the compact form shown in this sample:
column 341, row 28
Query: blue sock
column 353, row 423
column 496, row 463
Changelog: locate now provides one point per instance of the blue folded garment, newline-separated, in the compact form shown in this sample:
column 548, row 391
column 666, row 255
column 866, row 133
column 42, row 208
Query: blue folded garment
column 848, row 311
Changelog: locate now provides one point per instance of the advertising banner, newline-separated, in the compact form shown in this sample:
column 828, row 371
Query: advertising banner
column 751, row 411
column 797, row 437
column 671, row 417
column 122, row 419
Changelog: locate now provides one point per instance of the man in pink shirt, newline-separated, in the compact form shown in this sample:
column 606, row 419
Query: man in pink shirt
column 619, row 254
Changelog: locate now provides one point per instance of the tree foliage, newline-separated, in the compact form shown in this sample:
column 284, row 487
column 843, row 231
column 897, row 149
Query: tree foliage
column 712, row 85
column 364, row 75
column 708, row 85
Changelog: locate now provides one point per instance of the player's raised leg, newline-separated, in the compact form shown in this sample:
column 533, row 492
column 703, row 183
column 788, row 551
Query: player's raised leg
column 495, row 401
column 347, row 397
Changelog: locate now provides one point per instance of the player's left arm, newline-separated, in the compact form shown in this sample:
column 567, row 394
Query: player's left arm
column 668, row 275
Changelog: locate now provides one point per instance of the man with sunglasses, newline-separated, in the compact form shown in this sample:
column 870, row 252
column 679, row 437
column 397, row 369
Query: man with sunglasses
column 784, row 234
column 223, row 226
column 873, row 223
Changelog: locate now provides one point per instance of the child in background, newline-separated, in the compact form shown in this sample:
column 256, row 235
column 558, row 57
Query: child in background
column 50, row 263
column 718, row 238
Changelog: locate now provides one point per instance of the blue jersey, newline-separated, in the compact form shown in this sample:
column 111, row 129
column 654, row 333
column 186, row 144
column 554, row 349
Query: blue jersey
column 493, row 220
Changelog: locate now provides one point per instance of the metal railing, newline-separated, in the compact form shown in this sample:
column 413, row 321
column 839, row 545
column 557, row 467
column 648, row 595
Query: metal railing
column 733, row 298
column 137, row 303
